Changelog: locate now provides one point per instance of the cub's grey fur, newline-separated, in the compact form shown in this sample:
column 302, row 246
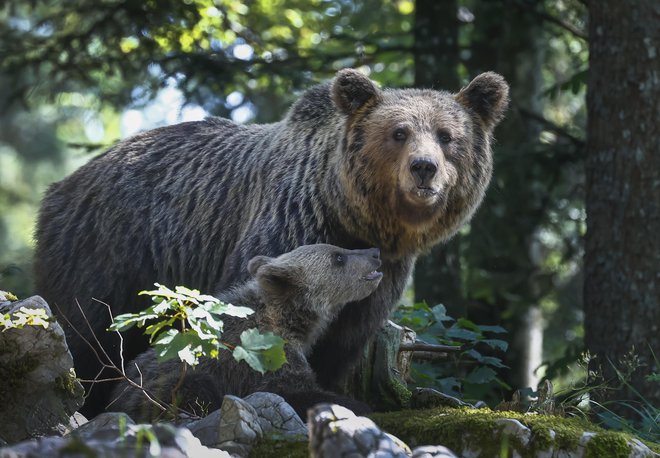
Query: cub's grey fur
column 296, row 296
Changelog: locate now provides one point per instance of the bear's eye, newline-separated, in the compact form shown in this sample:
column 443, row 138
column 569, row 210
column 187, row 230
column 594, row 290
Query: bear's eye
column 338, row 259
column 400, row 135
column 444, row 137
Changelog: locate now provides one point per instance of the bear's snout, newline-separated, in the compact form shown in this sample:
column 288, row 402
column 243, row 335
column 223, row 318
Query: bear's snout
column 423, row 170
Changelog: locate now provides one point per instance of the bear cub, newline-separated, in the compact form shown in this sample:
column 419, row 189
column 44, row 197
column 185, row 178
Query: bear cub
column 296, row 296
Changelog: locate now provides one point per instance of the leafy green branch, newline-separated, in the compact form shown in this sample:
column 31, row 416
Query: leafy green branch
column 187, row 324
column 469, row 345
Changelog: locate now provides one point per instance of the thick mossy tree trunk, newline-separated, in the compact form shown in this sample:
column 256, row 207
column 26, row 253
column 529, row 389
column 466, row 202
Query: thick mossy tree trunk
column 622, row 251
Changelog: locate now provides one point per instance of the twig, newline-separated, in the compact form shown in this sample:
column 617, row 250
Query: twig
column 111, row 365
column 429, row 356
column 432, row 348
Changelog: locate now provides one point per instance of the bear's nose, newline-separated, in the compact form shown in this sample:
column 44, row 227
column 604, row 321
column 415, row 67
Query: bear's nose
column 374, row 253
column 423, row 170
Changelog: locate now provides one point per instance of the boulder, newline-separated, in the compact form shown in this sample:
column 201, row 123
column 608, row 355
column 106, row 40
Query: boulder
column 39, row 390
column 336, row 431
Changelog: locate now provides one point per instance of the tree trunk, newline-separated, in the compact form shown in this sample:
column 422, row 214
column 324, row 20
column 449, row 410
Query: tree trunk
column 622, row 251
column 438, row 274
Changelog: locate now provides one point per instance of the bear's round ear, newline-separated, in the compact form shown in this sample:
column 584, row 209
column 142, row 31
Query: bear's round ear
column 488, row 96
column 351, row 90
column 256, row 262
column 278, row 280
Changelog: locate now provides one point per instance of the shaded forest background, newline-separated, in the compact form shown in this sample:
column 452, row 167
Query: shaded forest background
column 78, row 76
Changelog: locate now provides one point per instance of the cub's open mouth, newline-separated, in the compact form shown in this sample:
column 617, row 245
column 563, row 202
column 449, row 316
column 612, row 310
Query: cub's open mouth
column 375, row 275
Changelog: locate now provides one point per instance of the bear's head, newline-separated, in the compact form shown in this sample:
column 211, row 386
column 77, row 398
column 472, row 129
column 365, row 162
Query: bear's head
column 421, row 156
column 321, row 277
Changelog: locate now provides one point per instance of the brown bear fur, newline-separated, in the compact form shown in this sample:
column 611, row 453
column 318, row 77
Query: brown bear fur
column 351, row 165
column 295, row 296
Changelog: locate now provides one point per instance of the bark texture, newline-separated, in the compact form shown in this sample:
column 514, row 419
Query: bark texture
column 622, row 251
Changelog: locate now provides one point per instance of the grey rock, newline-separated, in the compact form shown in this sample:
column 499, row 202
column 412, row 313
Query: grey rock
column 239, row 426
column 513, row 428
column 105, row 426
column 39, row 389
column 207, row 429
column 336, row 431
column 108, row 441
column 275, row 415
column 432, row 451
column 639, row 450
column 75, row 421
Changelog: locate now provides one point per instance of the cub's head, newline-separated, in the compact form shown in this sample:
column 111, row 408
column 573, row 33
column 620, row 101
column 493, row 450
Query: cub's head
column 420, row 155
column 321, row 275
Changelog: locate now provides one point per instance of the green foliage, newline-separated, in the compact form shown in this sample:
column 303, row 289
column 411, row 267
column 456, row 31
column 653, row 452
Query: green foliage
column 642, row 416
column 124, row 51
column 471, row 371
column 199, row 321
column 24, row 317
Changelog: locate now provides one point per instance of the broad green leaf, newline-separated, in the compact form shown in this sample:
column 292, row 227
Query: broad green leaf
column 223, row 308
column 203, row 329
column 128, row 320
column 440, row 313
column 464, row 323
column 457, row 333
column 496, row 343
column 189, row 354
column 153, row 329
column 253, row 340
column 481, row 375
column 487, row 360
column 169, row 344
column 495, row 329
column 262, row 352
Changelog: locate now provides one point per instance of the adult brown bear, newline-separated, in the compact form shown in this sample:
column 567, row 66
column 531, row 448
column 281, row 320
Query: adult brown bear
column 350, row 165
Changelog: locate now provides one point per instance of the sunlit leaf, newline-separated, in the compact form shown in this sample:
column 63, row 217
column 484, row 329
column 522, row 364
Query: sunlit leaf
column 262, row 352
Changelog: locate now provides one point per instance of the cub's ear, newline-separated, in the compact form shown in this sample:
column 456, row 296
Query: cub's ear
column 351, row 89
column 257, row 262
column 488, row 96
column 277, row 280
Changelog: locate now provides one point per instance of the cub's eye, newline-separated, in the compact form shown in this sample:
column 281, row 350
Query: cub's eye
column 338, row 259
column 400, row 135
column 444, row 137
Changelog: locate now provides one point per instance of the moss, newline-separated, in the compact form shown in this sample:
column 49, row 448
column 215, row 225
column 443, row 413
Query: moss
column 67, row 385
column 462, row 427
column 402, row 395
column 610, row 444
column 267, row 448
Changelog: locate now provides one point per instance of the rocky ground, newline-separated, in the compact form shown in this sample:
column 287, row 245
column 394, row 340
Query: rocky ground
column 40, row 396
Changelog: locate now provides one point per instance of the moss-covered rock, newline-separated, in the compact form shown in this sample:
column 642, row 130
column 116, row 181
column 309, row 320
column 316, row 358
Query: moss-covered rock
column 481, row 432
column 492, row 434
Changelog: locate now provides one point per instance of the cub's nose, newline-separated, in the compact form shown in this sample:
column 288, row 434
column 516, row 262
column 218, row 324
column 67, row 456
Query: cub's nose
column 374, row 253
column 423, row 170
